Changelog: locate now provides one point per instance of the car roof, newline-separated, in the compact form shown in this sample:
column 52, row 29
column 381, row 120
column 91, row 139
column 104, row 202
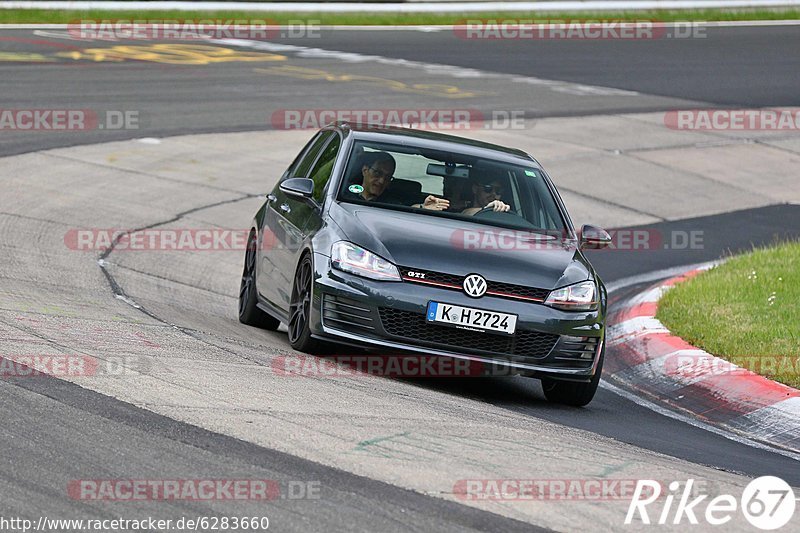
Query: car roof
column 430, row 139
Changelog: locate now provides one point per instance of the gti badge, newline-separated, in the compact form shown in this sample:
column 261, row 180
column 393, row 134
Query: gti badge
column 474, row 285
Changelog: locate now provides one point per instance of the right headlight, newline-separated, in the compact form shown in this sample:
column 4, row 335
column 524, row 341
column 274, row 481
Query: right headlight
column 353, row 259
column 578, row 297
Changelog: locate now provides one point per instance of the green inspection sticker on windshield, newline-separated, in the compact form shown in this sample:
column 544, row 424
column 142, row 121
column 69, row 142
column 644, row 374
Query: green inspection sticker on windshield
column 356, row 189
column 530, row 173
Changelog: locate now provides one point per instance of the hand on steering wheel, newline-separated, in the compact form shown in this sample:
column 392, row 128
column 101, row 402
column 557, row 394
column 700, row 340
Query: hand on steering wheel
column 497, row 206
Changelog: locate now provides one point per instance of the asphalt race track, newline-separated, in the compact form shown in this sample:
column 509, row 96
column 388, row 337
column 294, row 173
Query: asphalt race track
column 386, row 453
column 729, row 66
column 738, row 67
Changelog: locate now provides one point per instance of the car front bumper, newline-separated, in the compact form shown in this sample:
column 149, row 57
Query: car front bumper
column 390, row 317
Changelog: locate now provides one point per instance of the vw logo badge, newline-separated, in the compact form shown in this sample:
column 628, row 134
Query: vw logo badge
column 474, row 286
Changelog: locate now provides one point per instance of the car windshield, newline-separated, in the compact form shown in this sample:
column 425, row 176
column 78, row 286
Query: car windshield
column 462, row 186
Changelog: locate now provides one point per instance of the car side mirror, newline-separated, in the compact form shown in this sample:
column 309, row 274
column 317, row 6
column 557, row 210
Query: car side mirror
column 594, row 238
column 302, row 188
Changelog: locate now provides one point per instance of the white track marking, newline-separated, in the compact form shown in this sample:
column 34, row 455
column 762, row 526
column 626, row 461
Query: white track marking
column 431, row 68
column 656, row 275
column 427, row 28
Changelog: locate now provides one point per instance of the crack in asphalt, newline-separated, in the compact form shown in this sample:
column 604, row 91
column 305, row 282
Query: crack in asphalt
column 767, row 143
column 120, row 293
column 35, row 219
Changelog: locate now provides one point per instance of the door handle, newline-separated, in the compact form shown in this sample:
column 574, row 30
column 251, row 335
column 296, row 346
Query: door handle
column 271, row 197
column 285, row 208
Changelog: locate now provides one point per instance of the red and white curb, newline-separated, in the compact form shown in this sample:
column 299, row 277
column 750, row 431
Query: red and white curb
column 646, row 357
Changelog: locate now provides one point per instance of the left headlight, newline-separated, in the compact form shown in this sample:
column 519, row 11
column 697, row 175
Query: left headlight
column 353, row 259
column 578, row 297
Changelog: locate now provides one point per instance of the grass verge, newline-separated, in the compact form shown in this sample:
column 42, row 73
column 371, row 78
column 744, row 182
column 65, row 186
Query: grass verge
column 746, row 311
column 45, row 16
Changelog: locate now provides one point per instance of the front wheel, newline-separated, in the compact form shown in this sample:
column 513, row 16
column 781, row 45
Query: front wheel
column 300, row 309
column 572, row 393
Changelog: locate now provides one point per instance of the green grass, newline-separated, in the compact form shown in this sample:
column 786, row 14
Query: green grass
column 32, row 16
column 748, row 306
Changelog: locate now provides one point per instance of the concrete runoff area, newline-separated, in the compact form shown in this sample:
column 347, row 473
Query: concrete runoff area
column 193, row 362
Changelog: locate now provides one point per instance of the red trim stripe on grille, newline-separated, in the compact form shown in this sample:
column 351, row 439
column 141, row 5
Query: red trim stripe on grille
column 515, row 296
column 428, row 282
column 458, row 287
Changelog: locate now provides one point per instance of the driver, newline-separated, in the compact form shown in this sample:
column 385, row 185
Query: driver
column 377, row 172
column 487, row 188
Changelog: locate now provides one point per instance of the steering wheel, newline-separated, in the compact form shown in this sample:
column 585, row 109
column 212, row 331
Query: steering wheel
column 489, row 214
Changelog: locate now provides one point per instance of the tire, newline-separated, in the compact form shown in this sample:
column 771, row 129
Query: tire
column 573, row 393
column 300, row 309
column 249, row 313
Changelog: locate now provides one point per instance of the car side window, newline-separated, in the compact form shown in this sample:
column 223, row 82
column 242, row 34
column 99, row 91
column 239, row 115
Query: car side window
column 321, row 173
column 289, row 172
column 301, row 170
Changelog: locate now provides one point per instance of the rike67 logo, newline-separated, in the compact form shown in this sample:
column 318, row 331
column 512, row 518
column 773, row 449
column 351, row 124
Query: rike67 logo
column 767, row 502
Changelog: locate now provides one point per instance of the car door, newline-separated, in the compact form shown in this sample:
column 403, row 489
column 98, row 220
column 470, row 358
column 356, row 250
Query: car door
column 280, row 234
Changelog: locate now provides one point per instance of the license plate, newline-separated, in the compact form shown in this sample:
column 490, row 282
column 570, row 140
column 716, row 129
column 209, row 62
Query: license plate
column 470, row 318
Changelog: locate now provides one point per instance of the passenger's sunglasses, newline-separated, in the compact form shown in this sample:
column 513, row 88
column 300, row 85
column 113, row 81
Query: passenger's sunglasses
column 378, row 173
column 492, row 188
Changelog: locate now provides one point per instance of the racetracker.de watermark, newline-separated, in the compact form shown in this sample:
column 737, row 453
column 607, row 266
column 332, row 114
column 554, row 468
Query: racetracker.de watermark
column 642, row 240
column 433, row 119
column 773, row 119
column 397, row 366
column 122, row 490
column 164, row 240
column 191, row 29
column 404, row 366
column 577, row 29
column 587, row 489
column 67, row 120
column 70, row 365
column 690, row 366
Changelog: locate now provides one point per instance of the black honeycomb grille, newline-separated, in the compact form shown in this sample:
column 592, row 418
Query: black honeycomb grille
column 413, row 326
column 518, row 291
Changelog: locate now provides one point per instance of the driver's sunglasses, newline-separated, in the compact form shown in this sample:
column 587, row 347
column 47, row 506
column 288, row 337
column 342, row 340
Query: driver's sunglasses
column 492, row 188
column 378, row 173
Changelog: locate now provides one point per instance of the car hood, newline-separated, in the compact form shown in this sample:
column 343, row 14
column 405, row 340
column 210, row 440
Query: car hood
column 460, row 247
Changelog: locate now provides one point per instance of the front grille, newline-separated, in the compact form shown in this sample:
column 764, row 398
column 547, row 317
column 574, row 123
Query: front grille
column 517, row 291
column 413, row 326
column 437, row 277
column 345, row 313
column 454, row 282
